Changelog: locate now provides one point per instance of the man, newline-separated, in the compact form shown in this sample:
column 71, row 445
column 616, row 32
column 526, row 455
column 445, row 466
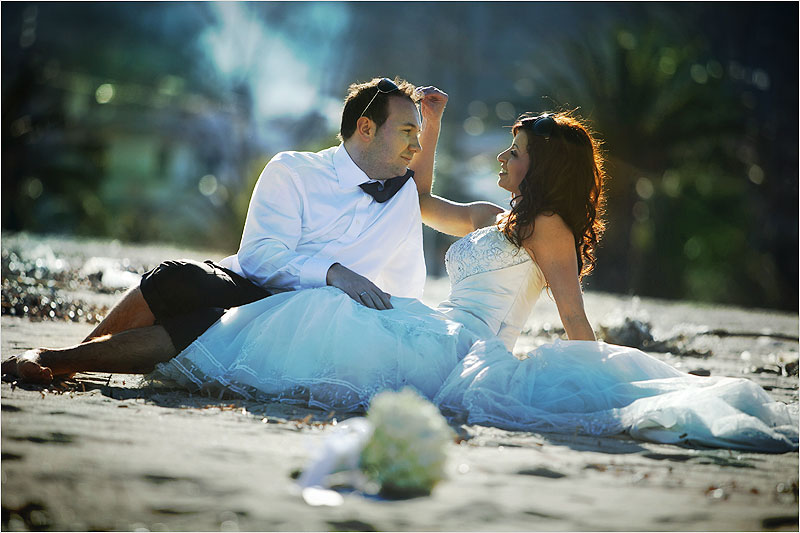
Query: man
column 329, row 218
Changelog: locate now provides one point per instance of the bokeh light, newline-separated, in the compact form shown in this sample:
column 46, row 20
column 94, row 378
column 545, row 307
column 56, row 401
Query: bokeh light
column 104, row 94
column 473, row 126
column 505, row 111
column 207, row 185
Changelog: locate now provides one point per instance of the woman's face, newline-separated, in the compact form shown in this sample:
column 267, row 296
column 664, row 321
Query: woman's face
column 514, row 163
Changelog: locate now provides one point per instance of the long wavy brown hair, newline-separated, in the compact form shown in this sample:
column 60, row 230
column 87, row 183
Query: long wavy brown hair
column 565, row 177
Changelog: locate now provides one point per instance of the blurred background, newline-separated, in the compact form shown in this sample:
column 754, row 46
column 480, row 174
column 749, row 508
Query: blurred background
column 150, row 122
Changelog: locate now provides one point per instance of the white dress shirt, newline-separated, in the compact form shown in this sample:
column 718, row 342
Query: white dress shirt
column 308, row 212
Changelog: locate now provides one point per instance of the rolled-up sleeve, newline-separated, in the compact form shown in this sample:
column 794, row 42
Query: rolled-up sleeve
column 267, row 254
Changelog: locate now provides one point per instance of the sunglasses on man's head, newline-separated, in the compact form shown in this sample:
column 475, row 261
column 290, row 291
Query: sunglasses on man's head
column 384, row 86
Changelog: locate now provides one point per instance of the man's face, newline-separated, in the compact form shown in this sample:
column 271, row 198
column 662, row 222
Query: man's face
column 395, row 142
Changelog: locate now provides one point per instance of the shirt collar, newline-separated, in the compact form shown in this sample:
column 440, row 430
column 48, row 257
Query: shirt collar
column 347, row 172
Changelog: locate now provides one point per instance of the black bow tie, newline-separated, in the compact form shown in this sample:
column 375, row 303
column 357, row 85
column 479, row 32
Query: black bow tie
column 383, row 190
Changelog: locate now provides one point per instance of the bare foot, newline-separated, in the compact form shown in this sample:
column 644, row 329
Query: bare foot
column 26, row 367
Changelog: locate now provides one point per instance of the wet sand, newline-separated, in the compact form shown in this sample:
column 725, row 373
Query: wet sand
column 104, row 453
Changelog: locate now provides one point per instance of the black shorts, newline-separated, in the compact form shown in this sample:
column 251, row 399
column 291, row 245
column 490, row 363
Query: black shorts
column 187, row 297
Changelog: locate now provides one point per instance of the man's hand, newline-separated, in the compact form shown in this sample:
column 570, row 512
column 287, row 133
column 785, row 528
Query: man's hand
column 358, row 287
column 432, row 103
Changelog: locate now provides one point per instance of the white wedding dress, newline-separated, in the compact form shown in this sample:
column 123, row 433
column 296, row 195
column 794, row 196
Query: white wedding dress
column 320, row 348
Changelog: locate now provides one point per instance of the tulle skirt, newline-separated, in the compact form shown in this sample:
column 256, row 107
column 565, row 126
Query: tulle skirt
column 320, row 348
column 596, row 388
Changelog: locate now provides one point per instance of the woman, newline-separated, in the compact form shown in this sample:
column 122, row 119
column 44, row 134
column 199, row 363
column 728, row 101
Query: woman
column 554, row 203
column 333, row 353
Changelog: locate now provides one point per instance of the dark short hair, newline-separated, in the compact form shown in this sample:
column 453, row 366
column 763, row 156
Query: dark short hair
column 360, row 94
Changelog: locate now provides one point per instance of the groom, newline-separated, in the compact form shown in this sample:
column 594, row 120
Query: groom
column 328, row 218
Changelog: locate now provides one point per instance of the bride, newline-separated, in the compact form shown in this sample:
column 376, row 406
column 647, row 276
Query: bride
column 320, row 348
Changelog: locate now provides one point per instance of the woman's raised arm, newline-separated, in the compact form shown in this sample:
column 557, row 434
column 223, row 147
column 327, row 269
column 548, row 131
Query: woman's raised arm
column 439, row 213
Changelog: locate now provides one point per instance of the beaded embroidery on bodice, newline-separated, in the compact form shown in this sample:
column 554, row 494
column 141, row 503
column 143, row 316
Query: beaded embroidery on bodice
column 493, row 282
column 482, row 250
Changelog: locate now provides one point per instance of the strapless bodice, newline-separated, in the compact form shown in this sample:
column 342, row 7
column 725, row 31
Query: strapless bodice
column 493, row 284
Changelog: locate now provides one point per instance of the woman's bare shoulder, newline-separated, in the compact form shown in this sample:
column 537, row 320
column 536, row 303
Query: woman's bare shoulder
column 550, row 225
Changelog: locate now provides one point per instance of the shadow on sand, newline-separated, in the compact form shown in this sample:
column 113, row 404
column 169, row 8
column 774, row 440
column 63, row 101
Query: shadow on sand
column 295, row 417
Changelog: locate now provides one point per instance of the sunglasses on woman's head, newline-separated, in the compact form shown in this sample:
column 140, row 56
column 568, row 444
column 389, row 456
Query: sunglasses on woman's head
column 543, row 125
column 384, row 86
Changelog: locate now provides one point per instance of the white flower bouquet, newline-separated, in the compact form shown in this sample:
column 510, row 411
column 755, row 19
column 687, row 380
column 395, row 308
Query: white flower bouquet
column 407, row 450
column 401, row 446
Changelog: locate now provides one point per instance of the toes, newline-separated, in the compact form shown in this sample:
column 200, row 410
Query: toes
column 9, row 366
column 24, row 367
column 32, row 373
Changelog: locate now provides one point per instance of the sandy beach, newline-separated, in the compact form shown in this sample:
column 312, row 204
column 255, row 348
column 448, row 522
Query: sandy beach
column 102, row 452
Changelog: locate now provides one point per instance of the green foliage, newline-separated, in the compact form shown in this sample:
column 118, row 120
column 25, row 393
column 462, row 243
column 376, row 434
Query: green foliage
column 679, row 197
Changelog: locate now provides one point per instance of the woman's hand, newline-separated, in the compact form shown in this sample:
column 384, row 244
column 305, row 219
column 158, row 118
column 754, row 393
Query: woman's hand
column 432, row 104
